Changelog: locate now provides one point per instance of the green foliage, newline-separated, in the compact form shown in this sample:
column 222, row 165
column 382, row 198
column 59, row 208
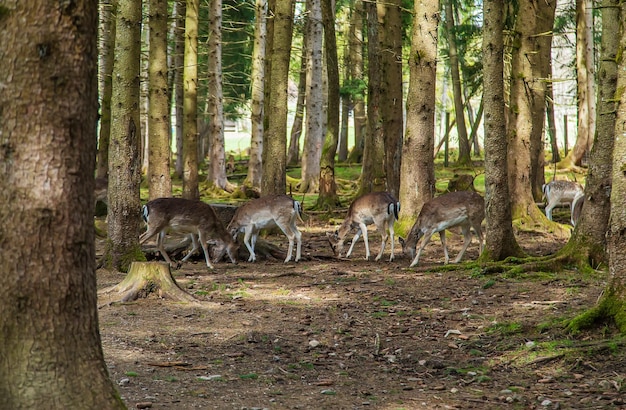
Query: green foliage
column 356, row 88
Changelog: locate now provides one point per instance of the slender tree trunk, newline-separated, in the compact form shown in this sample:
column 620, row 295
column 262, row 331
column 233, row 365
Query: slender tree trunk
column 500, row 239
column 107, row 47
column 551, row 123
column 190, row 103
column 355, row 43
column 293, row 155
column 417, row 182
column 464, row 147
column 215, row 101
column 585, row 76
column 179, row 93
column 328, row 188
column 391, row 90
column 373, row 170
column 51, row 348
column 159, row 179
column 314, row 136
column 274, row 142
column 257, row 96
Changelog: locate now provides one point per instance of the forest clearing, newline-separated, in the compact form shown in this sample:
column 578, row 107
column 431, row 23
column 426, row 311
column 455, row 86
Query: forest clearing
column 328, row 333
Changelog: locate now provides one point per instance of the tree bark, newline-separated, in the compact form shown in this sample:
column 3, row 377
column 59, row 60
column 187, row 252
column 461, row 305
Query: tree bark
column 179, row 93
column 106, row 59
column 159, row 179
column 257, row 96
column 355, row 43
column 124, row 150
column 417, row 183
column 293, row 155
column 500, row 239
column 190, row 103
column 50, row 343
column 274, row 142
column 391, row 91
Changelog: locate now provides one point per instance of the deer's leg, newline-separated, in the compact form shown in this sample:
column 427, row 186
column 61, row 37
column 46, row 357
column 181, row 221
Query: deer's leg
column 442, row 236
column 290, row 235
column 296, row 232
column 382, row 229
column 549, row 208
column 467, row 239
column 357, row 235
column 161, row 248
column 425, row 241
column 363, row 228
column 391, row 235
column 479, row 234
column 204, row 248
column 246, row 241
column 194, row 241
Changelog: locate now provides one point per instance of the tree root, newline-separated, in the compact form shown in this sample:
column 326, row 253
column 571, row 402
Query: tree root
column 142, row 279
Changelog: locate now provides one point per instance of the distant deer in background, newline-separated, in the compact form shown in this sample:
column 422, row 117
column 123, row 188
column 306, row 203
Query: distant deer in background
column 163, row 215
column 560, row 193
column 378, row 208
column 462, row 208
column 268, row 212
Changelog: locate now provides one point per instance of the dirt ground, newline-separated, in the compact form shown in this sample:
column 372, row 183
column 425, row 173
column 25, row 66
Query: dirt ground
column 326, row 333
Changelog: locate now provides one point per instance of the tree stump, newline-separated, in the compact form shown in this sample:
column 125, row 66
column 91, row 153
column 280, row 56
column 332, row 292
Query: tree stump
column 142, row 279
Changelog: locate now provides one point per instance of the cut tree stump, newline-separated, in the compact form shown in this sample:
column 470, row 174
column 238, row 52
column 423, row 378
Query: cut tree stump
column 142, row 279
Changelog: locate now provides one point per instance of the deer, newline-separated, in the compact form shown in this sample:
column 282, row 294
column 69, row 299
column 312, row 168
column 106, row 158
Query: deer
column 192, row 217
column 560, row 193
column 270, row 211
column 577, row 207
column 378, row 208
column 465, row 209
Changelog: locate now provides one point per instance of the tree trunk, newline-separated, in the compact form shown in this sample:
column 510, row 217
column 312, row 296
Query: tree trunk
column 527, row 108
column 586, row 92
column 50, row 343
column 464, row 147
column 373, row 170
column 327, row 187
column 500, row 239
column 551, row 123
column 179, row 93
column 293, row 155
column 159, row 179
column 257, row 96
column 215, row 101
column 417, row 183
column 355, row 43
column 190, row 103
column 106, row 58
column 124, row 158
column 391, row 91
column 314, row 135
column 274, row 142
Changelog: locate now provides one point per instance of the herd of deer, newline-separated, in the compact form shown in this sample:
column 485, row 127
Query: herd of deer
column 462, row 209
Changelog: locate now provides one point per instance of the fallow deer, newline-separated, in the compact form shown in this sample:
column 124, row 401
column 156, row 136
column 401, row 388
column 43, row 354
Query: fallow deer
column 378, row 208
column 268, row 212
column 163, row 215
column 560, row 193
column 465, row 209
column 577, row 208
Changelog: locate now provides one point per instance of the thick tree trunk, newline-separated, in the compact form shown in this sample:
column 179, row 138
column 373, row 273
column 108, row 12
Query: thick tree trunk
column 293, row 155
column 124, row 156
column 51, row 349
column 417, row 183
column 179, row 93
column 159, row 179
column 355, row 43
column 500, row 240
column 106, row 53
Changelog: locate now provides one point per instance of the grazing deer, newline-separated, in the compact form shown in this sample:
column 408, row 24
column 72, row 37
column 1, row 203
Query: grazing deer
column 560, row 193
column 462, row 208
column 268, row 212
column 577, row 207
column 378, row 208
column 195, row 218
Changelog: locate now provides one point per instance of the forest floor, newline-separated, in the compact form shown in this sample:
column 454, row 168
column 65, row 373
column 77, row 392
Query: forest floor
column 329, row 333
